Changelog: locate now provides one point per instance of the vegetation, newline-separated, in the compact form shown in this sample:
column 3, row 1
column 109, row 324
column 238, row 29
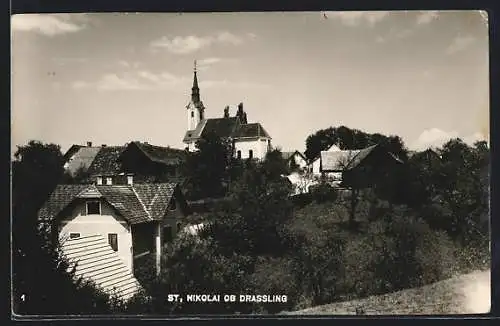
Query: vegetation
column 426, row 222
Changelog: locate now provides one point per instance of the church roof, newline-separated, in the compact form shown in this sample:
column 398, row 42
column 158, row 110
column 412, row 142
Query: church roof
column 250, row 130
column 222, row 127
column 226, row 127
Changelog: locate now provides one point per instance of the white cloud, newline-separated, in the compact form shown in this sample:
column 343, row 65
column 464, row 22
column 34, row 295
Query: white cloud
column 460, row 43
column 146, row 80
column 432, row 138
column 355, row 18
column 192, row 43
column 426, row 17
column 48, row 24
column 394, row 34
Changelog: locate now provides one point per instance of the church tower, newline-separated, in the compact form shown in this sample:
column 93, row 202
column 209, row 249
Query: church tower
column 195, row 108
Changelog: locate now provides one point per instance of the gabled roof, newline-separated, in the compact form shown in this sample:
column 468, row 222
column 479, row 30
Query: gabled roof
column 250, row 130
column 226, row 127
column 136, row 203
column 341, row 160
column 81, row 157
column 222, row 127
column 107, row 160
column 289, row 155
column 337, row 160
column 159, row 154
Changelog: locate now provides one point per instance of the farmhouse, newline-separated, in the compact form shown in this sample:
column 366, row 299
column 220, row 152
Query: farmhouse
column 113, row 163
column 295, row 160
column 250, row 140
column 107, row 229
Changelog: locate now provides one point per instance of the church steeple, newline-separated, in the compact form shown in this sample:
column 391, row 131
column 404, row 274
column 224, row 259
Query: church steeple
column 195, row 90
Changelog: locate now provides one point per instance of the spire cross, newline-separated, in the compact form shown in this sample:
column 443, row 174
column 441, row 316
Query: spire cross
column 194, row 65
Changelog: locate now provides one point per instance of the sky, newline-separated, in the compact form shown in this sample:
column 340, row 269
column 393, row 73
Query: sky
column 112, row 78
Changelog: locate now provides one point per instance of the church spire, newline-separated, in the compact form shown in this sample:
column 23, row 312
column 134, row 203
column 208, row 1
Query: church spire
column 195, row 91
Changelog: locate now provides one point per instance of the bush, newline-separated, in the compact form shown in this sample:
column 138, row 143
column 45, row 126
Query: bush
column 274, row 276
column 397, row 253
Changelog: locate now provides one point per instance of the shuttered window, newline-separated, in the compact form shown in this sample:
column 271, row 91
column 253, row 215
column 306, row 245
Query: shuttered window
column 113, row 241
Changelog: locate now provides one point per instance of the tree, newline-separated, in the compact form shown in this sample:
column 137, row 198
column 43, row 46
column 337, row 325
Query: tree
column 41, row 283
column 208, row 168
column 347, row 138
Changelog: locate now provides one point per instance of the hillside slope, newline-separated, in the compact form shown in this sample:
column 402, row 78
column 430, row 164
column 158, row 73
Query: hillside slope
column 464, row 294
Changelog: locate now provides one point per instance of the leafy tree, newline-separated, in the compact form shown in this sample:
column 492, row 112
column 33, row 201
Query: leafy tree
column 49, row 288
column 347, row 138
column 208, row 167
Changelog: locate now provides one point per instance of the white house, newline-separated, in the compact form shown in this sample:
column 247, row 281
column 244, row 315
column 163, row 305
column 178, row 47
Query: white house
column 250, row 140
column 295, row 158
column 135, row 220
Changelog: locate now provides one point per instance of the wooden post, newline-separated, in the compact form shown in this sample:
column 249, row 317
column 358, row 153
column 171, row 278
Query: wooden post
column 158, row 248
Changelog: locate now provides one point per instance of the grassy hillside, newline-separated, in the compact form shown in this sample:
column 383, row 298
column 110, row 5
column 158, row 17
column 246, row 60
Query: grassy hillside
column 468, row 293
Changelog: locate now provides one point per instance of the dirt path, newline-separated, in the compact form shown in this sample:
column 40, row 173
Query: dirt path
column 468, row 293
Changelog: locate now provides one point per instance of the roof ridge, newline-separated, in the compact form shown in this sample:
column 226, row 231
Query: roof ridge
column 140, row 201
column 89, row 187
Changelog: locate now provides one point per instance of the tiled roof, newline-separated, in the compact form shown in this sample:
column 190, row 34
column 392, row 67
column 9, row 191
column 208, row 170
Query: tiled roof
column 60, row 198
column 222, row 127
column 81, row 158
column 337, row 160
column 137, row 203
column 192, row 135
column 347, row 159
column 250, row 130
column 226, row 127
column 165, row 155
column 155, row 197
column 107, row 161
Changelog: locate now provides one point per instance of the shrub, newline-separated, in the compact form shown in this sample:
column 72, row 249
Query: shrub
column 396, row 253
column 274, row 276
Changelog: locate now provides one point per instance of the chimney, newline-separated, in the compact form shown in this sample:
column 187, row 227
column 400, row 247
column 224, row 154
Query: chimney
column 99, row 180
column 89, row 144
column 130, row 179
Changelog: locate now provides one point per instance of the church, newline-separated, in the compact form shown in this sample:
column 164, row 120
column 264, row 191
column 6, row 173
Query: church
column 250, row 140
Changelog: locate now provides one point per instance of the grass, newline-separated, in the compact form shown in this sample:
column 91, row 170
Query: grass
column 463, row 294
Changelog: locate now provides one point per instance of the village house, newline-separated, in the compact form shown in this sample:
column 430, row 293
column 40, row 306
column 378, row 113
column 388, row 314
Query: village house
column 107, row 229
column 114, row 164
column 250, row 140
column 295, row 160
column 343, row 167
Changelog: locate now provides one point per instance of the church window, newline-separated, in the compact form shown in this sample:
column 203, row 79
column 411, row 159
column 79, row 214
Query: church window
column 192, row 114
column 250, row 154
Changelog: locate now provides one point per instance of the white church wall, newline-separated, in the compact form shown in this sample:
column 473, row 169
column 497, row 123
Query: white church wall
column 258, row 146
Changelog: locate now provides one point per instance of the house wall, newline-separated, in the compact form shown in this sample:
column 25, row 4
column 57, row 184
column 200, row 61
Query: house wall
column 315, row 165
column 300, row 161
column 258, row 146
column 76, row 221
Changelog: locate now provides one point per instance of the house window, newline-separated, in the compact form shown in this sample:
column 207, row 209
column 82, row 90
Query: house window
column 238, row 154
column 93, row 208
column 109, row 181
column 192, row 114
column 179, row 226
column 167, row 234
column 113, row 241
column 173, row 205
column 99, row 180
column 250, row 154
column 74, row 235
